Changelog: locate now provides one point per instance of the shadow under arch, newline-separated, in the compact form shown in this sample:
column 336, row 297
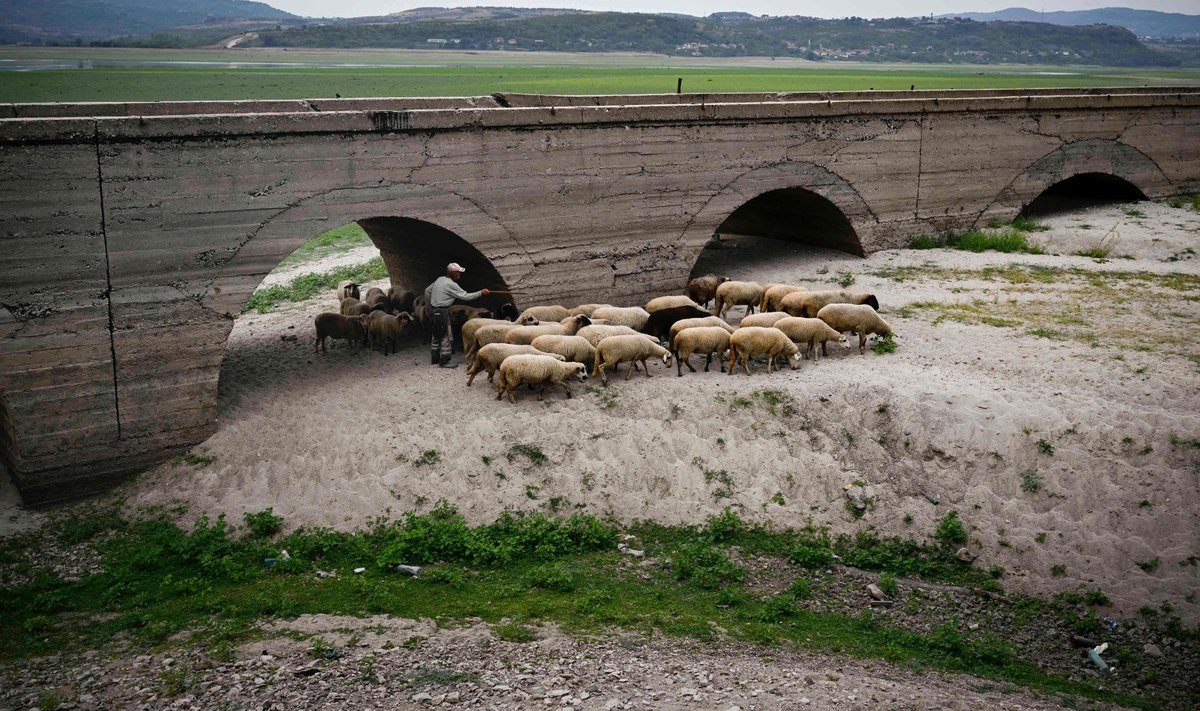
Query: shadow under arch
column 422, row 223
column 803, row 203
column 1102, row 164
column 1080, row 191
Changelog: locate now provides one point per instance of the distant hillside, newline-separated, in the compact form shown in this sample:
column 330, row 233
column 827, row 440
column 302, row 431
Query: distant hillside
column 737, row 34
column 68, row 20
column 1143, row 23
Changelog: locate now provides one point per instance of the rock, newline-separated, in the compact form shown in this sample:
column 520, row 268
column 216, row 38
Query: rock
column 612, row 704
column 1152, row 649
column 832, row 677
column 973, row 626
column 306, row 671
column 421, row 698
column 965, row 555
column 876, row 592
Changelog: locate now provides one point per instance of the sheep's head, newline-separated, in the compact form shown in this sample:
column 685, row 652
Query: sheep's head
column 404, row 316
column 794, row 360
column 508, row 312
column 872, row 301
column 529, row 320
column 842, row 339
column 579, row 370
column 666, row 358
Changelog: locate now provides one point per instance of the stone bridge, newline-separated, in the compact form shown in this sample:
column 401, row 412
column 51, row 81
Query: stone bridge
column 131, row 234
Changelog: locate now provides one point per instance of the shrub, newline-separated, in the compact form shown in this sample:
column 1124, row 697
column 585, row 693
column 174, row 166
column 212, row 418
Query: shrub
column 263, row 524
column 887, row 583
column 514, row 633
column 707, row 566
column 722, row 527
column 950, row 530
column 1031, row 481
column 812, row 552
column 551, row 577
column 887, row 344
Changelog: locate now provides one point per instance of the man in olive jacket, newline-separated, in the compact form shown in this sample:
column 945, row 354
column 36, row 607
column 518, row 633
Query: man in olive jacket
column 441, row 295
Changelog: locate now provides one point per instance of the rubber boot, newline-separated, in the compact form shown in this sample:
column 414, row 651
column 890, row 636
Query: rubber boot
column 447, row 362
column 435, row 355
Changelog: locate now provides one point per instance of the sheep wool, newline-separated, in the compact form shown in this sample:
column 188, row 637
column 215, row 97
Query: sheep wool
column 598, row 332
column 573, row 348
column 525, row 334
column 542, row 370
column 774, row 293
column 696, row 323
column 702, row 340
column 809, row 332
column 703, row 289
column 634, row 317
column 855, row 318
column 737, row 293
column 615, row 350
column 666, row 302
column 764, row 319
column 756, row 341
column 808, row 303
column 552, row 312
column 492, row 355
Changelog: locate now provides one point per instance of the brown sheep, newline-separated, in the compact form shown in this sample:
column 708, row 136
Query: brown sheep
column 401, row 299
column 387, row 330
column 353, row 307
column 703, row 289
column 346, row 328
column 377, row 299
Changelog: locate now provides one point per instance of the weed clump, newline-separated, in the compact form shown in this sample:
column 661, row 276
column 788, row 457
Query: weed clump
column 707, row 566
column 950, row 530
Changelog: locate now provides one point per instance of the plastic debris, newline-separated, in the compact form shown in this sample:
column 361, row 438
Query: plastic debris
column 360, row 570
column 326, row 573
column 930, row 498
column 1078, row 641
column 411, row 570
column 1094, row 654
column 1112, row 624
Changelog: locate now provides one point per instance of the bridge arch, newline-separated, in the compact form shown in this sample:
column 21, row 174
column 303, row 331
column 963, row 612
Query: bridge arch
column 1105, row 168
column 799, row 202
column 415, row 227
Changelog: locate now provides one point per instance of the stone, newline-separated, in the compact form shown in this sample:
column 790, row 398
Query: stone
column 876, row 592
column 1152, row 650
column 421, row 697
column 965, row 555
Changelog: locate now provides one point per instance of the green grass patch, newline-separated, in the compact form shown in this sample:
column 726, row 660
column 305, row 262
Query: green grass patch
column 339, row 239
column 1006, row 241
column 306, row 286
column 1025, row 224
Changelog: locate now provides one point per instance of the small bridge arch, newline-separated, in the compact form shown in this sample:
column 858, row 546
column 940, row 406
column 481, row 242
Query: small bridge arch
column 799, row 202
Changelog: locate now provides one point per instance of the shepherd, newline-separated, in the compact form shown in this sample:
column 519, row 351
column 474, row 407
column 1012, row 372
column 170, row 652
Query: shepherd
column 441, row 295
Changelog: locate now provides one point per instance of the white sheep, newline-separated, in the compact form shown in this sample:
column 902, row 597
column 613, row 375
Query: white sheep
column 543, row 370
column 524, row 335
column 703, row 289
column 347, row 289
column 737, row 293
column 472, row 326
column 756, row 341
column 764, row 319
column 634, row 317
column 586, row 309
column 697, row 323
column 492, row 355
column 615, row 350
column 572, row 324
column 574, row 348
column 808, row 303
column 552, row 312
column 703, row 340
column 774, row 293
column 855, row 318
column 810, row 332
column 665, row 302
column 598, row 332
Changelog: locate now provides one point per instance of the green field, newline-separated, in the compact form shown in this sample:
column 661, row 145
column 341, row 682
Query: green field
column 129, row 75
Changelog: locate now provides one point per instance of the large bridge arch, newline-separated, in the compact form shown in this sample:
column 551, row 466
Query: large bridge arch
column 1106, row 164
column 756, row 200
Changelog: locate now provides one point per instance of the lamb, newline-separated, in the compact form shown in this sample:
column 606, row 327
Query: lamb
column 755, row 341
column 660, row 322
column 737, row 293
column 808, row 303
column 492, row 355
column 666, row 302
column 698, row 322
column 572, row 324
column 401, row 299
column 634, row 317
column 347, row 328
column 547, row 313
column 353, row 307
column 809, row 332
column 377, row 299
column 543, row 370
column 387, row 330
column 764, row 319
column 525, row 334
column 615, row 350
column 472, row 326
column 705, row 340
column 856, row 318
column 703, row 289
column 347, row 289
column 574, row 348
column 773, row 293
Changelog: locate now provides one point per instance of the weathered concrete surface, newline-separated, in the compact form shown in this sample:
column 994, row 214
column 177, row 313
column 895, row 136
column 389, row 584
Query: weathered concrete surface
column 131, row 234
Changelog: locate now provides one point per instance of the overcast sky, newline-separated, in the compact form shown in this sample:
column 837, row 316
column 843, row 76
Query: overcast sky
column 861, row 8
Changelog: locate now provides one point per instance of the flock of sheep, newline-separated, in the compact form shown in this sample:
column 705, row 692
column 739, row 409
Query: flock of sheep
column 545, row 346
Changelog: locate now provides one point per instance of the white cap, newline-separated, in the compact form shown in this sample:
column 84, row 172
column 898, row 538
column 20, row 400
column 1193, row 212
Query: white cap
column 453, row 267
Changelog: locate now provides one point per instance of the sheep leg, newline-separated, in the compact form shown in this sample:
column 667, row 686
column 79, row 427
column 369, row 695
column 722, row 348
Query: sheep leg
column 471, row 374
column 862, row 342
column 645, row 368
column 566, row 389
column 629, row 370
column 512, row 399
column 746, row 363
column 542, row 393
column 317, row 342
column 707, row 362
column 600, row 370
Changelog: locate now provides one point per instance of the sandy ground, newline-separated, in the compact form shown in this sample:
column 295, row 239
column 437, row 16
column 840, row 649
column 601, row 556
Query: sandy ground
column 1097, row 361
column 956, row 414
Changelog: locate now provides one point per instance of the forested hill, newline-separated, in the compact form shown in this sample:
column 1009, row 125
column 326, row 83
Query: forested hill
column 736, row 34
column 24, row 21
column 1143, row 23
